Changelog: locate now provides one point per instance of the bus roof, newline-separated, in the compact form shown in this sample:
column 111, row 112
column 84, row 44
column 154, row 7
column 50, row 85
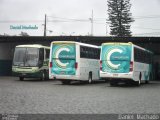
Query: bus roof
column 33, row 45
column 79, row 43
column 129, row 43
column 117, row 43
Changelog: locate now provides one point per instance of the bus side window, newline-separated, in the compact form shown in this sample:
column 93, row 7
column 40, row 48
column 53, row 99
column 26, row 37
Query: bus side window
column 82, row 52
column 41, row 57
column 99, row 51
column 137, row 55
column 89, row 52
column 47, row 53
column 94, row 53
column 86, row 51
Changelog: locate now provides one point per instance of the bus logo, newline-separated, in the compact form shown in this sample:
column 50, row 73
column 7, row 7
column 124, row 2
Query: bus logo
column 109, row 54
column 64, row 55
column 63, row 65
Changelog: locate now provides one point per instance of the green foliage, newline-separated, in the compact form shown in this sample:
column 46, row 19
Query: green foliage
column 120, row 17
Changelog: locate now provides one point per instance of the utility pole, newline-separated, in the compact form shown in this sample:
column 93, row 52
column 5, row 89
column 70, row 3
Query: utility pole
column 91, row 19
column 106, row 30
column 45, row 22
column 92, row 24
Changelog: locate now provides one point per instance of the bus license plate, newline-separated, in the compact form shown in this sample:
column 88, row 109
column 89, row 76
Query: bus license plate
column 115, row 75
column 62, row 73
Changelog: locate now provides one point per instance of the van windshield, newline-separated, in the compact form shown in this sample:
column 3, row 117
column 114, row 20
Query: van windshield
column 27, row 57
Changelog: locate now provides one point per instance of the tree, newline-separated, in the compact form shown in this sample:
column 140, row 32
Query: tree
column 24, row 34
column 120, row 17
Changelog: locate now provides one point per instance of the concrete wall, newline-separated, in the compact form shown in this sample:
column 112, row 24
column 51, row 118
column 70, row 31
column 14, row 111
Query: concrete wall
column 6, row 55
column 6, row 51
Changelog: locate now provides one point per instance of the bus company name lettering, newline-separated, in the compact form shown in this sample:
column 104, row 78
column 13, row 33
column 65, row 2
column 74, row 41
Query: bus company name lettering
column 66, row 56
column 120, row 57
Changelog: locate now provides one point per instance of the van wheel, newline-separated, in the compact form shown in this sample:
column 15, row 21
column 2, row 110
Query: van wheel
column 21, row 78
column 90, row 78
column 66, row 82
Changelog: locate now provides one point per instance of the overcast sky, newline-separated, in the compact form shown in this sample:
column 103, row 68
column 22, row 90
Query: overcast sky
column 71, row 17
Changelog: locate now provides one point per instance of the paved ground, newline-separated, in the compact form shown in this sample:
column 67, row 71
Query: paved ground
column 35, row 96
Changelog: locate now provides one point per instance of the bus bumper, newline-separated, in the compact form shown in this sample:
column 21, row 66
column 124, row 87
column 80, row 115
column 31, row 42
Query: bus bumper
column 27, row 75
column 116, row 75
column 64, row 77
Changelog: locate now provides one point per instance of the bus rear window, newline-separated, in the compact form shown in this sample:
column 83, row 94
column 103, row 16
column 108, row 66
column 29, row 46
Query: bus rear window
column 116, row 52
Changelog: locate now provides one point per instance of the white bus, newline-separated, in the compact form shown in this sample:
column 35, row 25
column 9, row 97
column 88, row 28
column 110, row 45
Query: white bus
column 31, row 61
column 74, row 61
column 125, row 62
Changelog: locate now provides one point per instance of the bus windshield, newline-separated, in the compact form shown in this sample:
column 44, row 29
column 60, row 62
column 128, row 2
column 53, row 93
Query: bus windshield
column 116, row 58
column 27, row 57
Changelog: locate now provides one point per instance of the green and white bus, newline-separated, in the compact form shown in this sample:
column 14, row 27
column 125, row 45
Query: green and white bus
column 74, row 61
column 125, row 62
column 31, row 61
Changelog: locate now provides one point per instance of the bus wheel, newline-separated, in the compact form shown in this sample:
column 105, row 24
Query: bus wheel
column 138, row 83
column 150, row 78
column 90, row 78
column 66, row 82
column 43, row 76
column 106, row 80
column 21, row 78
column 146, row 81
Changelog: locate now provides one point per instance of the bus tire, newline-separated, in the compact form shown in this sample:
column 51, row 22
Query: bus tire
column 43, row 77
column 146, row 81
column 150, row 78
column 106, row 80
column 21, row 78
column 66, row 82
column 90, row 78
column 138, row 83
